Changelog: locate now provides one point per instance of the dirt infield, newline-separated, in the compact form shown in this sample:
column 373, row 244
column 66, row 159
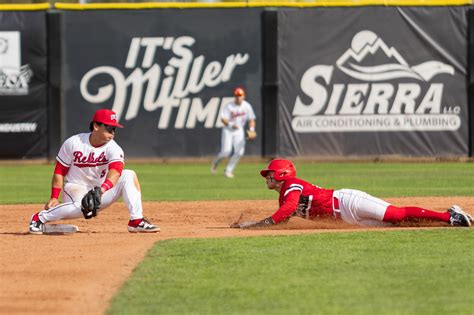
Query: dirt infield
column 79, row 274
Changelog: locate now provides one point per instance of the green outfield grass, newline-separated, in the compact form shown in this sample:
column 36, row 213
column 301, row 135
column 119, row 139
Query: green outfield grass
column 393, row 272
column 31, row 183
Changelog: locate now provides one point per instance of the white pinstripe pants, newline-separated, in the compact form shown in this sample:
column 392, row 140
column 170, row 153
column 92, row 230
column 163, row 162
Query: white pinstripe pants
column 73, row 193
column 358, row 207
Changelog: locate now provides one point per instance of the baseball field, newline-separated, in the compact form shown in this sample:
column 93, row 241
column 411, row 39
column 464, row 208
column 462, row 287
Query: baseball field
column 197, row 265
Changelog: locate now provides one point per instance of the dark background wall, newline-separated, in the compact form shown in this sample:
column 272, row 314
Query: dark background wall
column 471, row 81
column 361, row 88
column 168, row 72
column 23, row 85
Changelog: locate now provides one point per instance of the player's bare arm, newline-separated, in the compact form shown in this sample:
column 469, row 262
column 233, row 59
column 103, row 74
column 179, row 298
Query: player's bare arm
column 272, row 184
column 113, row 176
column 252, row 124
column 56, row 185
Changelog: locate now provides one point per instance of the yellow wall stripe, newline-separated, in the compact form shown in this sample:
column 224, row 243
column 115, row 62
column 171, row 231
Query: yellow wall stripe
column 148, row 5
column 24, row 7
column 342, row 3
column 253, row 4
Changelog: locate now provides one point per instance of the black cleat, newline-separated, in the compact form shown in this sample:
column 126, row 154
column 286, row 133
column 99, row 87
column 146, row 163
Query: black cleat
column 459, row 217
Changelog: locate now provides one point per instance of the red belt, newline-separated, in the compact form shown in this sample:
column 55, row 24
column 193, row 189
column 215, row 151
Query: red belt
column 336, row 211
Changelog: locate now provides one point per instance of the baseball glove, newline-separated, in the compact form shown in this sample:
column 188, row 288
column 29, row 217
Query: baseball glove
column 250, row 135
column 90, row 203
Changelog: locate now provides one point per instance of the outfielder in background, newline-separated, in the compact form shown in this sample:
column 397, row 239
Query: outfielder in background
column 234, row 116
column 300, row 198
column 90, row 167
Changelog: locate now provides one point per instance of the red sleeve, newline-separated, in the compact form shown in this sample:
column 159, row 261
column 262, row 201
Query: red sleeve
column 118, row 166
column 60, row 169
column 289, row 205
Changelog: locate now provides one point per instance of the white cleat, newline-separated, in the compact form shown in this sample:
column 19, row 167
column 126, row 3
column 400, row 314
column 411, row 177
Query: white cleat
column 36, row 226
column 142, row 226
column 229, row 175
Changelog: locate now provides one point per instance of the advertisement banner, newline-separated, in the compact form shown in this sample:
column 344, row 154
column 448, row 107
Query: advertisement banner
column 166, row 73
column 23, row 84
column 373, row 81
column 471, row 82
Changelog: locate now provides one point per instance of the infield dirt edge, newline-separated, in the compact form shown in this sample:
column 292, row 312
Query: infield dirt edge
column 86, row 269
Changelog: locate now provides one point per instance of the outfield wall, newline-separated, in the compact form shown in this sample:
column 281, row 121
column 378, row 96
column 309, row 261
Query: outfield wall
column 162, row 72
column 23, row 84
column 373, row 81
column 339, row 81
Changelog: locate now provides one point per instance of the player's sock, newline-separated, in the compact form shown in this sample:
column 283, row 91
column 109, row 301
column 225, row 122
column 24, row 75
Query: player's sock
column 397, row 214
column 135, row 222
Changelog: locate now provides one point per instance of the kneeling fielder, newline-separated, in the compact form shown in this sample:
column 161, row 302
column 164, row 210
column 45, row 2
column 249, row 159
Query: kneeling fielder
column 90, row 167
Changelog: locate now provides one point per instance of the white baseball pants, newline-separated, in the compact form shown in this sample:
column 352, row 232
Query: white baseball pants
column 73, row 193
column 231, row 139
column 358, row 207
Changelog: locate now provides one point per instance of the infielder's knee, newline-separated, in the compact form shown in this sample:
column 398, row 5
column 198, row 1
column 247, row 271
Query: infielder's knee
column 63, row 211
column 129, row 176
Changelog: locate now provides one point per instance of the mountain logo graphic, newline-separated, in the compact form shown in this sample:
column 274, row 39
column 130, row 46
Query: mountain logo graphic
column 14, row 77
column 3, row 45
column 367, row 44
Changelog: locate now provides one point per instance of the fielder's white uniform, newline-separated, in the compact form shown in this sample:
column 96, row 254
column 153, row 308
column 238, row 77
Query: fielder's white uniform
column 233, row 135
column 88, row 167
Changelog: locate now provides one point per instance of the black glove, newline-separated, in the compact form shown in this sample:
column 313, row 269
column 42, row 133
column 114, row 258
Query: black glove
column 90, row 203
column 265, row 222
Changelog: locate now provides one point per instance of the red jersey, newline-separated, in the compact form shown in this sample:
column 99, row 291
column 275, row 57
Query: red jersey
column 303, row 199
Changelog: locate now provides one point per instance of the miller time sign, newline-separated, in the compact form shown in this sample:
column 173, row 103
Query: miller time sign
column 384, row 93
column 172, row 85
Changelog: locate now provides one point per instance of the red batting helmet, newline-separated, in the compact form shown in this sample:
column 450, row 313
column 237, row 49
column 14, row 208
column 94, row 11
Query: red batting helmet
column 239, row 91
column 284, row 169
column 107, row 117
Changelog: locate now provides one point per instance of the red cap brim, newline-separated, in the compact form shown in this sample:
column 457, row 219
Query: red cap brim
column 115, row 125
column 264, row 173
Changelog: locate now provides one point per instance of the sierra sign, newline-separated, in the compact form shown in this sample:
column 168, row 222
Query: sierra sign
column 375, row 103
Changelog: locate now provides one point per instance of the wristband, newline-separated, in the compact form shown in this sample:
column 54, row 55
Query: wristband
column 107, row 185
column 55, row 192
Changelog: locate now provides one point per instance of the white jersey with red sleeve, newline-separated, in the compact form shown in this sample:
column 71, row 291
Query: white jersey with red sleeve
column 238, row 115
column 88, row 165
